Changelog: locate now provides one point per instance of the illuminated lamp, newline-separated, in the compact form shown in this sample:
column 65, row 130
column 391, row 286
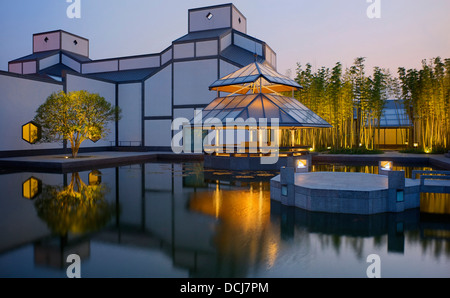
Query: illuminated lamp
column 31, row 188
column 301, row 165
column 385, row 167
column 31, row 132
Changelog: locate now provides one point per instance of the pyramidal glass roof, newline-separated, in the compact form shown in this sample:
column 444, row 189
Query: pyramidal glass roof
column 289, row 111
column 255, row 78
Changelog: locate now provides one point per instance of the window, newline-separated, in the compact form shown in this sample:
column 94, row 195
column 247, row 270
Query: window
column 31, row 133
column 31, row 188
column 209, row 16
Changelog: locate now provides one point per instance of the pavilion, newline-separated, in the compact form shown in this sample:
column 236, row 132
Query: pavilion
column 256, row 118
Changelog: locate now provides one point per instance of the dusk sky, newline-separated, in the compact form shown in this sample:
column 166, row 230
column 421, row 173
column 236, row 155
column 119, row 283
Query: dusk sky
column 321, row 32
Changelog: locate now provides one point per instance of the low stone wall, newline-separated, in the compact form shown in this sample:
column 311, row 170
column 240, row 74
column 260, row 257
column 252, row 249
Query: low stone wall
column 389, row 197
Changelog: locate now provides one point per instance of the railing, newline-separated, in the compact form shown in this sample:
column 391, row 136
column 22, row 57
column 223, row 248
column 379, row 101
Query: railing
column 255, row 151
column 126, row 143
column 439, row 175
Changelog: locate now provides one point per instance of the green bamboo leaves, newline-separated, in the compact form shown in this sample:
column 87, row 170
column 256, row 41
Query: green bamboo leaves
column 353, row 103
column 426, row 93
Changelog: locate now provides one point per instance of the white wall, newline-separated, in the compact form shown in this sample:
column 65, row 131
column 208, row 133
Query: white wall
column 192, row 80
column 158, row 133
column 226, row 68
column 101, row 66
column 29, row 67
column 71, row 63
column 239, row 21
column 53, row 42
column 183, row 50
column 225, row 42
column 19, row 101
column 67, row 43
column 206, row 48
column 49, row 61
column 138, row 63
column 130, row 97
column 198, row 20
column 248, row 44
column 158, row 93
column 166, row 56
column 106, row 90
column 15, row 67
column 271, row 57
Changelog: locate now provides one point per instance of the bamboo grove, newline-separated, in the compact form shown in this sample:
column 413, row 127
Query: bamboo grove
column 353, row 102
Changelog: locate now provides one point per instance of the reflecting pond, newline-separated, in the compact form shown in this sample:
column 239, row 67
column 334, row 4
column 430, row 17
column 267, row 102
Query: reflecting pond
column 181, row 220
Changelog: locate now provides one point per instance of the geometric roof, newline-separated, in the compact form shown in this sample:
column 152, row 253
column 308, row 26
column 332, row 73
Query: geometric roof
column 394, row 115
column 289, row 111
column 256, row 78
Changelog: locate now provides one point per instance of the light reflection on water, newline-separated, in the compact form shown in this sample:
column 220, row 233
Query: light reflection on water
column 181, row 220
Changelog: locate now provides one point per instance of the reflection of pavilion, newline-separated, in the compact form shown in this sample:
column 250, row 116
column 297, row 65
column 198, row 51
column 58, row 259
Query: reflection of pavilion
column 254, row 120
column 210, row 229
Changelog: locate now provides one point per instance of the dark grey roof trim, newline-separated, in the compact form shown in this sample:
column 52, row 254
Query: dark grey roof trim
column 31, row 77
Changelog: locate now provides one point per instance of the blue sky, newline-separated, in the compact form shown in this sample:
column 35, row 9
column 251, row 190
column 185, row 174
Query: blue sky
column 321, row 32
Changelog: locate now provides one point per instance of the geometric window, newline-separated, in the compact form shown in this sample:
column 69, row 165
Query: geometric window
column 31, row 188
column 95, row 177
column 31, row 132
column 93, row 138
column 209, row 16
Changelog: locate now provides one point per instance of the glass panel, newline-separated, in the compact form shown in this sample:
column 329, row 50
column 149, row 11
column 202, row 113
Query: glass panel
column 235, row 101
column 214, row 103
column 271, row 110
column 233, row 114
column 286, row 119
column 246, row 101
column 255, row 109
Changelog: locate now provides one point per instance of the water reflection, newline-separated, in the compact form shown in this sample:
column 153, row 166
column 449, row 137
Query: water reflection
column 76, row 208
column 245, row 237
column 207, row 223
column 71, row 212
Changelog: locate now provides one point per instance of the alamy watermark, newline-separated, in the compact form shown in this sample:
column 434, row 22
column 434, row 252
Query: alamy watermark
column 74, row 269
column 257, row 137
column 374, row 269
column 374, row 9
column 74, row 10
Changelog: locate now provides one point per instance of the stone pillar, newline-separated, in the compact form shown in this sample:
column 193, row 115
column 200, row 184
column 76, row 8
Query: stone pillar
column 287, row 179
column 396, row 191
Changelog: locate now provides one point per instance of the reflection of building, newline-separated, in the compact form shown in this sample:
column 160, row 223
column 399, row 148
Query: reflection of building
column 202, row 225
column 53, row 252
column 151, row 89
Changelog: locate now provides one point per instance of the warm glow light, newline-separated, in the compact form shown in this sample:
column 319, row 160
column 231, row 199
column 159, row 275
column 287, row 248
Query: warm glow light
column 30, row 133
column 31, row 188
column 311, row 149
column 386, row 165
column 301, row 163
column 244, row 216
column 427, row 150
column 416, row 145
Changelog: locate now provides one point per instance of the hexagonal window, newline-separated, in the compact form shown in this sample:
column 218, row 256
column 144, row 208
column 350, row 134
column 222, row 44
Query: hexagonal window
column 31, row 188
column 31, row 132
column 95, row 177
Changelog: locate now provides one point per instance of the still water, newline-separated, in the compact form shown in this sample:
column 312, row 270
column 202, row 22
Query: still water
column 181, row 220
